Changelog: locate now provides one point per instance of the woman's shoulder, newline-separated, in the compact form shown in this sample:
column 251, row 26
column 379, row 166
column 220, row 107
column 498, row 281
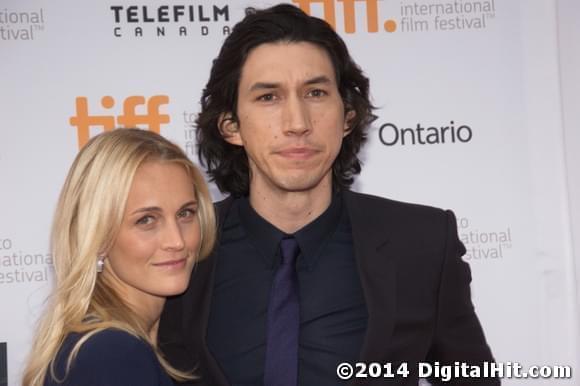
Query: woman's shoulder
column 114, row 343
column 110, row 357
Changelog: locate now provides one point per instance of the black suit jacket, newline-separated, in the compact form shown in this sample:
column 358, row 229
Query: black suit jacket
column 415, row 284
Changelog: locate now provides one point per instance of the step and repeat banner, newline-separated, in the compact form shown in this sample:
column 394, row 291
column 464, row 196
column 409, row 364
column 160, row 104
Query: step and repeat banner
column 469, row 118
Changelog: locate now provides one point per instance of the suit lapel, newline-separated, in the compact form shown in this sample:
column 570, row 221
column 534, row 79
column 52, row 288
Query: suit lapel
column 377, row 270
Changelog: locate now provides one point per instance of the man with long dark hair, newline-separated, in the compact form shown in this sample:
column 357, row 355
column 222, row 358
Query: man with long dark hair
column 308, row 274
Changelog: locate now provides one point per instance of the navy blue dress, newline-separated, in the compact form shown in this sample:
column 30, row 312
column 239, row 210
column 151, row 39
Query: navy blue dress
column 112, row 358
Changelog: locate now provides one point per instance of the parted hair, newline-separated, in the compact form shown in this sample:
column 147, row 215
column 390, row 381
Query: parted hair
column 87, row 220
column 227, row 164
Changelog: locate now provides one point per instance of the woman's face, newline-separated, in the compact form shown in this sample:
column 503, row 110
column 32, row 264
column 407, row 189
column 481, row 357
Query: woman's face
column 159, row 237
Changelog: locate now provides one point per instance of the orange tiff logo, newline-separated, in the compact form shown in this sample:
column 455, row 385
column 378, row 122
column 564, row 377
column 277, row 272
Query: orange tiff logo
column 348, row 7
column 151, row 116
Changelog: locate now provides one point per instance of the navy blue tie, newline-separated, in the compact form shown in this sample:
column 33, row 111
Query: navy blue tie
column 281, row 367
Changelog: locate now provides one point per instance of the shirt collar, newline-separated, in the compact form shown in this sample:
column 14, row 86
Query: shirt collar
column 311, row 238
column 265, row 236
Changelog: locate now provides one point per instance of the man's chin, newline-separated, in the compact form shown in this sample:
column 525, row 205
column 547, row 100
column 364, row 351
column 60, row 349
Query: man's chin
column 301, row 184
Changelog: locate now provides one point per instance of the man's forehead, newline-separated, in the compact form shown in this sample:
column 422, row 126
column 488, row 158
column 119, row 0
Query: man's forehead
column 272, row 62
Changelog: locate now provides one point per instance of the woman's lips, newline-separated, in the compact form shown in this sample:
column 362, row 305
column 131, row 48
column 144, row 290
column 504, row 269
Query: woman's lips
column 169, row 264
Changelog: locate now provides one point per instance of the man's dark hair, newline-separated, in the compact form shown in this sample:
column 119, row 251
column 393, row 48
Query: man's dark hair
column 227, row 164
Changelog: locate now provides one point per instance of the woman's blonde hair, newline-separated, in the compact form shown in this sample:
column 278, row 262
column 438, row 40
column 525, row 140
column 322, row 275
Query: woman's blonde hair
column 87, row 219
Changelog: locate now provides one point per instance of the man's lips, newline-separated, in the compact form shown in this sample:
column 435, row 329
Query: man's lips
column 298, row 152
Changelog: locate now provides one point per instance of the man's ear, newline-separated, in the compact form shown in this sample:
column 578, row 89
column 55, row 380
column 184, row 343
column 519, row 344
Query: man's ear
column 229, row 129
column 348, row 118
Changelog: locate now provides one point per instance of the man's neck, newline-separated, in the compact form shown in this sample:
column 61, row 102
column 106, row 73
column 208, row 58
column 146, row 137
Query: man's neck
column 290, row 211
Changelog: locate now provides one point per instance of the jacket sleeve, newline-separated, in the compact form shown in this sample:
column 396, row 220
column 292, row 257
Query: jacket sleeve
column 174, row 339
column 458, row 333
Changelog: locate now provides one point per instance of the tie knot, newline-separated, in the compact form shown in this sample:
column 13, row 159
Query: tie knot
column 289, row 250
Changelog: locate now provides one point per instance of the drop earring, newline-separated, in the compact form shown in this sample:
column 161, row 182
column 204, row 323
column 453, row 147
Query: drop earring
column 100, row 263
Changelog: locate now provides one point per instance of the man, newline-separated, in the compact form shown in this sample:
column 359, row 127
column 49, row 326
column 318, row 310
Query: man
column 308, row 274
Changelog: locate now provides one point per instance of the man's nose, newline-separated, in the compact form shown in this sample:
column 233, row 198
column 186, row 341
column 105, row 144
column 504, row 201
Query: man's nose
column 297, row 117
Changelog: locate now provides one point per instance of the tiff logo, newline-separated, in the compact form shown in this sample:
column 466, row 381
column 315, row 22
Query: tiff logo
column 349, row 12
column 151, row 117
column 3, row 364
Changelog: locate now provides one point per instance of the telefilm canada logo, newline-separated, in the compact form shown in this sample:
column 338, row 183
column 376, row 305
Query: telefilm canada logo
column 411, row 16
column 20, row 25
column 200, row 19
column 137, row 111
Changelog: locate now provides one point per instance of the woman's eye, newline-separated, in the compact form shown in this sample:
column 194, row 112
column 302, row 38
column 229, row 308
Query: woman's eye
column 145, row 220
column 187, row 213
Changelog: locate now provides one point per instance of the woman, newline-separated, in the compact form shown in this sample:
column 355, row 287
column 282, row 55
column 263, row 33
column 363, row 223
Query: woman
column 133, row 217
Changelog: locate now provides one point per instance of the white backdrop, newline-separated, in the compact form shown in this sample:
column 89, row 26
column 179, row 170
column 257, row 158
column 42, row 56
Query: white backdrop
column 569, row 31
column 473, row 97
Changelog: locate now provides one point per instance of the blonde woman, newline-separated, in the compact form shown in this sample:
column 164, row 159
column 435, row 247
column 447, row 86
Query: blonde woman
column 133, row 217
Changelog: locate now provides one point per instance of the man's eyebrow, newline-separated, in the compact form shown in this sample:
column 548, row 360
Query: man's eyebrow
column 322, row 79
column 318, row 79
column 264, row 86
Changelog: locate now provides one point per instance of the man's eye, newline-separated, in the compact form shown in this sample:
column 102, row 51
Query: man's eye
column 317, row 93
column 145, row 220
column 267, row 97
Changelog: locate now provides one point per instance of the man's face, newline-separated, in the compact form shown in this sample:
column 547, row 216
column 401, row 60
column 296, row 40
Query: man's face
column 291, row 117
